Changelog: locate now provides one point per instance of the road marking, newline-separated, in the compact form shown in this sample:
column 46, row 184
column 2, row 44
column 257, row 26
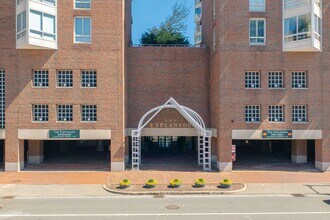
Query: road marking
column 161, row 214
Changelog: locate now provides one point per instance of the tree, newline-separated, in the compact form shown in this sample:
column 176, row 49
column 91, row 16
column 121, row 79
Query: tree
column 171, row 30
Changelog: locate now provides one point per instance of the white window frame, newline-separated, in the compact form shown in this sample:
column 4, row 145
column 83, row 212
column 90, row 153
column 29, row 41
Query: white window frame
column 38, row 80
column 252, row 79
column 297, row 5
column 295, row 36
column 2, row 98
column 88, row 80
column 299, row 80
column 64, row 113
column 299, row 113
column 252, row 114
column 81, row 1
column 252, row 4
column 64, row 78
column 42, row 32
column 40, row 113
column 276, row 113
column 48, row 2
column 22, row 33
column 74, row 30
column 88, row 113
column 276, row 80
column 257, row 37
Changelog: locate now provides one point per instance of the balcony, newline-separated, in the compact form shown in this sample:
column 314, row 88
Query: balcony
column 302, row 22
column 36, row 24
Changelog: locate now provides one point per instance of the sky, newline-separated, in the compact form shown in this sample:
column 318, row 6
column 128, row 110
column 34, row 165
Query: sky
column 149, row 13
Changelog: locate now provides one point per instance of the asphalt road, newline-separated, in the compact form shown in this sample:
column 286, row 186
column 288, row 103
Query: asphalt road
column 229, row 207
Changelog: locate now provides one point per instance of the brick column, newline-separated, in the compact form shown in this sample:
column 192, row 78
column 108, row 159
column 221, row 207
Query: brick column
column 299, row 151
column 14, row 154
column 117, row 151
column 224, row 140
column 322, row 152
column 36, row 152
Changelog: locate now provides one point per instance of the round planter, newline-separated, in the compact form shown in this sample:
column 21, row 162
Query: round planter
column 150, row 186
column 124, row 187
column 225, row 186
column 199, row 185
column 174, row 186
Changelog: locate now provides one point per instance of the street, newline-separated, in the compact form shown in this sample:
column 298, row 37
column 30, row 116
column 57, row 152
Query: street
column 316, row 207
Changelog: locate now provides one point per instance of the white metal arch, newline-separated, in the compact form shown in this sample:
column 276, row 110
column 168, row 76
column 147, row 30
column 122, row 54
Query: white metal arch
column 204, row 136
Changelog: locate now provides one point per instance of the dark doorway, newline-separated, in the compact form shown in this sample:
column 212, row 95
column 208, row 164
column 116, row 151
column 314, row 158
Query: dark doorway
column 311, row 152
column 2, row 154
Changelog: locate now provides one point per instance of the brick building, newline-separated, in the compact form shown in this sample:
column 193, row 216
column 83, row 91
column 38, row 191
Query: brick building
column 73, row 90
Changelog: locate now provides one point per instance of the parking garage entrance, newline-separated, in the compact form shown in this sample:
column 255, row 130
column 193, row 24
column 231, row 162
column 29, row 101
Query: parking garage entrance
column 68, row 155
column 274, row 154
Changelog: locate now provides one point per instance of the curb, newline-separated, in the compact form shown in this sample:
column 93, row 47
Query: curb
column 175, row 192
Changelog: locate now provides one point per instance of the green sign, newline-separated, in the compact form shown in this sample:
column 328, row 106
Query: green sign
column 277, row 134
column 64, row 133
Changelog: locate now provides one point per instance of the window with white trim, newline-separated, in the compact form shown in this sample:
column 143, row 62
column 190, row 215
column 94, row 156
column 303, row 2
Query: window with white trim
column 64, row 113
column 40, row 113
column 257, row 5
column 299, row 113
column 42, row 25
column 299, row 80
column 88, row 113
column 40, row 78
column 64, row 78
column 2, row 99
column 21, row 25
column 82, row 30
column 276, row 113
column 252, row 113
column 276, row 79
column 257, row 31
column 49, row 2
column 88, row 79
column 297, row 28
column 252, row 79
column 295, row 3
column 82, row 4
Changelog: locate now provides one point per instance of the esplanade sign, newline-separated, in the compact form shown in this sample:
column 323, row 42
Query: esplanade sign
column 169, row 118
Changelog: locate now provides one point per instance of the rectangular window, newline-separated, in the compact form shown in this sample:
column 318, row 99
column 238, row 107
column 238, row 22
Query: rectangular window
column 214, row 39
column 297, row 28
column 2, row 99
column 317, row 27
column 252, row 79
column 299, row 80
column 257, row 31
column 40, row 113
column 40, row 78
column 257, row 5
column 214, row 9
column 42, row 25
column 276, row 79
column 64, row 78
column 252, row 113
column 88, row 78
column 295, row 3
column 82, row 30
column 49, row 2
column 21, row 25
column 82, row 4
column 276, row 113
column 299, row 113
column 64, row 113
column 88, row 113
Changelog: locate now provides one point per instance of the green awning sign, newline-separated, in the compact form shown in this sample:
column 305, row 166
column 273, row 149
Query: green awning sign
column 277, row 134
column 64, row 133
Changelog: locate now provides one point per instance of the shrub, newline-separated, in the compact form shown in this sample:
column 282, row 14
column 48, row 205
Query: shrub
column 226, row 183
column 151, row 183
column 125, row 183
column 175, row 183
column 200, row 182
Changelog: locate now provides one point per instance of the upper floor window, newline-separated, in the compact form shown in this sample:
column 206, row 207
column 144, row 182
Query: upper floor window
column 257, row 5
column 42, row 25
column 297, row 28
column 82, row 30
column 40, row 113
column 252, row 113
column 252, row 79
column 65, row 113
column 276, row 79
column 89, row 113
column 21, row 25
column 82, row 4
column 64, row 79
column 49, row 2
column 299, row 113
column 40, row 78
column 214, row 39
column 257, row 31
column 214, row 9
column 295, row 3
column 276, row 113
column 88, row 78
column 299, row 80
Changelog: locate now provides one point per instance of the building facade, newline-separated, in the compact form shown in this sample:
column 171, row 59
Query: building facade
column 74, row 90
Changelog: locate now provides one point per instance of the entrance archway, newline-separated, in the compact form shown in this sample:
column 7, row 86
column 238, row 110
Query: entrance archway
column 192, row 117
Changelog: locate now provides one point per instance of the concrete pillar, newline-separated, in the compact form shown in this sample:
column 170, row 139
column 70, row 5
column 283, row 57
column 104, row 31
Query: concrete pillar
column 224, row 140
column 36, row 152
column 322, row 152
column 117, row 151
column 299, row 151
